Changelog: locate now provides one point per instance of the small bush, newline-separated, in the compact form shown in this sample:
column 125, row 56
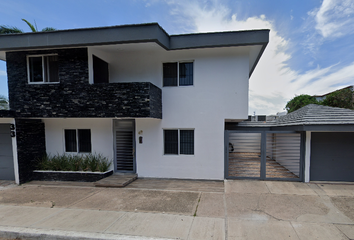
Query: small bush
column 74, row 162
column 93, row 161
column 65, row 162
column 85, row 164
column 104, row 164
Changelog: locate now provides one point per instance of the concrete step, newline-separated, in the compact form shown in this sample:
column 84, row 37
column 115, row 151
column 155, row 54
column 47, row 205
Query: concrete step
column 116, row 180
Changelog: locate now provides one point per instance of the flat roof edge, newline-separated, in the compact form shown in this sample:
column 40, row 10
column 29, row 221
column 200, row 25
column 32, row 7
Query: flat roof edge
column 148, row 32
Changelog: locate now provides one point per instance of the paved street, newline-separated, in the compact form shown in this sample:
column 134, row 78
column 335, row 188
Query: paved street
column 178, row 209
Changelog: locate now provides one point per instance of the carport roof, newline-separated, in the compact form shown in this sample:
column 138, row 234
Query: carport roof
column 312, row 117
column 314, row 114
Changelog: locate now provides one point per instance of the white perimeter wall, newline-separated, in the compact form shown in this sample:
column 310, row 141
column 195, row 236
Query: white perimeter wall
column 101, row 134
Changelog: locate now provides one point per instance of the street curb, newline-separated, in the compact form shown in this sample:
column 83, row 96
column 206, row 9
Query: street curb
column 44, row 234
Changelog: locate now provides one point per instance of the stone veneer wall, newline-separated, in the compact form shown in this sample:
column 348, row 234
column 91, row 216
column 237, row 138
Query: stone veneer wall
column 7, row 114
column 74, row 96
column 155, row 102
column 30, row 136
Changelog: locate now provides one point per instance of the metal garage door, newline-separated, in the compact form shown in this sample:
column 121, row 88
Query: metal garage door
column 332, row 156
column 6, row 160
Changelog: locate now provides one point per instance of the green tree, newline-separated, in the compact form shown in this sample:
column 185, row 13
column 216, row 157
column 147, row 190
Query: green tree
column 300, row 101
column 4, row 29
column 4, row 103
column 343, row 99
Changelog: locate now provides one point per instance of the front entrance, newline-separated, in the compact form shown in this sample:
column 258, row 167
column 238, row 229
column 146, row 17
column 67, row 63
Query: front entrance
column 263, row 155
column 124, row 134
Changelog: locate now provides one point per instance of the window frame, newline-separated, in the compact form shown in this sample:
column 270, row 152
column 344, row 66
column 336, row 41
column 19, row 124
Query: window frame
column 178, row 141
column 77, row 140
column 178, row 73
column 43, row 69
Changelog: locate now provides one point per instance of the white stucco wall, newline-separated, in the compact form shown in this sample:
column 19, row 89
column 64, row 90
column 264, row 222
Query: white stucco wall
column 307, row 156
column 219, row 92
column 101, row 134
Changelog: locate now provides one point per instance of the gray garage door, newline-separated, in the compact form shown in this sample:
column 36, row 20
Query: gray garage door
column 332, row 157
column 6, row 160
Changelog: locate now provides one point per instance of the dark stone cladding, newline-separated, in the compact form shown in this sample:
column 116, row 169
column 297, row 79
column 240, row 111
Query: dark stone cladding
column 7, row 114
column 74, row 96
column 72, row 176
column 30, row 136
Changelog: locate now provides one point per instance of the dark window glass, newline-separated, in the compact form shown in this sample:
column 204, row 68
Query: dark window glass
column 100, row 70
column 70, row 140
column 35, row 69
column 187, row 142
column 262, row 118
column 185, row 74
column 171, row 141
column 52, row 69
column 169, row 74
column 47, row 65
column 84, row 136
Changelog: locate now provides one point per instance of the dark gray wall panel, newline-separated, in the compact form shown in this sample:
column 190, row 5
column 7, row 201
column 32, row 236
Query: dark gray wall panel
column 30, row 136
column 332, row 156
column 6, row 159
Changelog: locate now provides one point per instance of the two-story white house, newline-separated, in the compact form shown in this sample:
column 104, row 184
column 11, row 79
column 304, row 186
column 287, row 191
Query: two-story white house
column 154, row 103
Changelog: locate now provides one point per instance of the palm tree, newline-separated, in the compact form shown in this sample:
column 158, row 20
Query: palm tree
column 4, row 103
column 4, row 29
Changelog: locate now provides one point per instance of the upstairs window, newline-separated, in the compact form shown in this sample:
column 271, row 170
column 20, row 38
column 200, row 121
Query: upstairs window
column 100, row 70
column 179, row 142
column 43, row 69
column 178, row 74
column 78, row 140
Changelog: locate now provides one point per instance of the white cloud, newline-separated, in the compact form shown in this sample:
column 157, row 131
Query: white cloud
column 2, row 73
column 335, row 18
column 273, row 82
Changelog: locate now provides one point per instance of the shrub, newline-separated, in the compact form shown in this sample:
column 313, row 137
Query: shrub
column 74, row 162
column 300, row 101
column 343, row 98
column 65, row 162
column 93, row 161
column 104, row 164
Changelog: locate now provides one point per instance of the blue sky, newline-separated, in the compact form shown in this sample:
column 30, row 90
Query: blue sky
column 311, row 41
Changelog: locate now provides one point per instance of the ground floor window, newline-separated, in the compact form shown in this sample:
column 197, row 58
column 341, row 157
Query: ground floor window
column 77, row 140
column 178, row 141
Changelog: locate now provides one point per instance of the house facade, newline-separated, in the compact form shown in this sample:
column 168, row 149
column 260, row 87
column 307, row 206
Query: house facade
column 156, row 104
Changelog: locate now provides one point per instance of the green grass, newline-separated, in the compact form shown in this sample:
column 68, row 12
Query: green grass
column 81, row 162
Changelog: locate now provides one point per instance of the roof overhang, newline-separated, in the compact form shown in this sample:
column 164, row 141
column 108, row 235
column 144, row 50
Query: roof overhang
column 151, row 32
column 295, row 128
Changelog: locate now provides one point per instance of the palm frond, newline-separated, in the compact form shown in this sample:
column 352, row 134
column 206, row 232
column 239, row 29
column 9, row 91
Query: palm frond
column 30, row 25
column 48, row 29
column 4, row 103
column 9, row 29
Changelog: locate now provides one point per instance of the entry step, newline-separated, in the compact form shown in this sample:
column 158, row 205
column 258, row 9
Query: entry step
column 116, row 180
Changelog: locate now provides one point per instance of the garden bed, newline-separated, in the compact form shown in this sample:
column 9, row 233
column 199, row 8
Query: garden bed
column 79, row 176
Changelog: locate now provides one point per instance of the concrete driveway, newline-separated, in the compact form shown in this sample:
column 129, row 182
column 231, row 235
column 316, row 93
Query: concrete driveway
column 178, row 209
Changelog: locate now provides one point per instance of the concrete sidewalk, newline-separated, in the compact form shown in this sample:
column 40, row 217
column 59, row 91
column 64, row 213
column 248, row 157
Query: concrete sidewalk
column 178, row 209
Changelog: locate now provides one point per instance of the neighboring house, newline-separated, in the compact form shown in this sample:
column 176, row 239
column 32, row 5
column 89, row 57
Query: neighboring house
column 313, row 143
column 323, row 97
column 156, row 104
